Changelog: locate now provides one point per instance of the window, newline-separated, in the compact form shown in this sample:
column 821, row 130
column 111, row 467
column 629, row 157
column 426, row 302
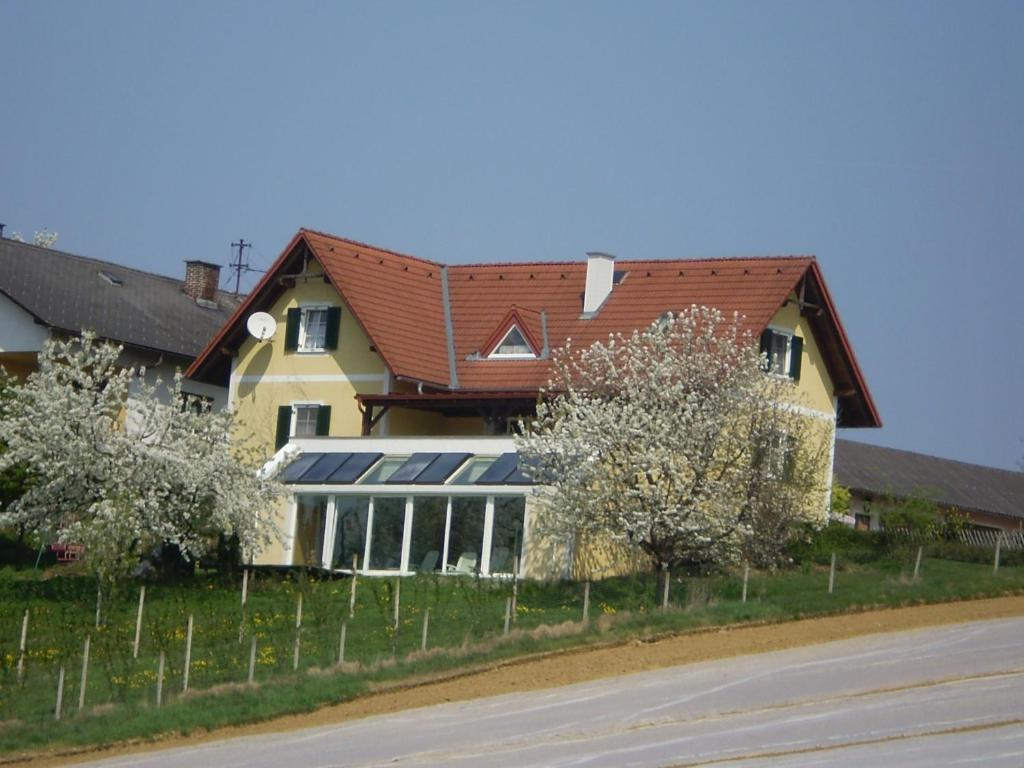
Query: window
column 310, row 524
column 862, row 522
column 507, row 533
column 302, row 420
column 513, row 346
column 783, row 351
column 777, row 456
column 312, row 329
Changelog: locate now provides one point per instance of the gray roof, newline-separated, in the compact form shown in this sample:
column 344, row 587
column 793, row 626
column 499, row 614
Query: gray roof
column 887, row 471
column 68, row 292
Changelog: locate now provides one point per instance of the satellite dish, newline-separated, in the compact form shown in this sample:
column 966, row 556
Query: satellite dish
column 261, row 325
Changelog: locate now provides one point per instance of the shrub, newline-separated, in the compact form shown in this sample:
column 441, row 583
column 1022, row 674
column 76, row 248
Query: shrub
column 848, row 543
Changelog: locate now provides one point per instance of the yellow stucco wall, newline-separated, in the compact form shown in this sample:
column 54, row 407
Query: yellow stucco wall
column 265, row 376
column 814, row 389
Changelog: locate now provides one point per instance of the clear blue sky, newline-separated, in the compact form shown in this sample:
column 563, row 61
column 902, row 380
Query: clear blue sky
column 887, row 138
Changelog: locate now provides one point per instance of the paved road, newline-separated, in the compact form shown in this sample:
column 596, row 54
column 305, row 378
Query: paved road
column 946, row 696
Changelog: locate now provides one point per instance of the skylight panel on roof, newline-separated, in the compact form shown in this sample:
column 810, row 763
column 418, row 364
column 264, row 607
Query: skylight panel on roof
column 111, row 278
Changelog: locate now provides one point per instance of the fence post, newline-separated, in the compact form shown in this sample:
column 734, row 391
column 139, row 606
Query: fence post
column 85, row 674
column 398, row 599
column 245, row 595
column 252, row 660
column 995, row 564
column 160, row 679
column 917, row 563
column 508, row 614
column 341, row 642
column 515, row 585
column 60, row 694
column 586, row 602
column 352, row 597
column 426, row 624
column 188, row 654
column 99, row 601
column 667, row 575
column 298, row 632
column 746, row 578
column 22, row 646
column 832, row 574
column 138, row 622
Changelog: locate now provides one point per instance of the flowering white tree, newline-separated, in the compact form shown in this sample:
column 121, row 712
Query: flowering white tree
column 119, row 469
column 44, row 238
column 674, row 439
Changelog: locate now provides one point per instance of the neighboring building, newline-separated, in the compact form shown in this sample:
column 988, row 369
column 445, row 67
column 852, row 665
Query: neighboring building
column 414, row 370
column 162, row 323
column 992, row 498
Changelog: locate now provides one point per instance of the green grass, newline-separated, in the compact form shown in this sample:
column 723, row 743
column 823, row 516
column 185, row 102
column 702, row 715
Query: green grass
column 466, row 618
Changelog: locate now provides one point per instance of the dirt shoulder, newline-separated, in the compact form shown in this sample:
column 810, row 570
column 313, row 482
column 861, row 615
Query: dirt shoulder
column 588, row 664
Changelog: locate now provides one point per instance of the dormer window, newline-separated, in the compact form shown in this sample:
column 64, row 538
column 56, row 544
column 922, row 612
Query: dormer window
column 513, row 346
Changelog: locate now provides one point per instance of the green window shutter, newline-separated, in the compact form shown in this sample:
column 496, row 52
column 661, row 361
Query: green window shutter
column 291, row 334
column 333, row 325
column 796, row 352
column 766, row 347
column 323, row 421
column 284, row 426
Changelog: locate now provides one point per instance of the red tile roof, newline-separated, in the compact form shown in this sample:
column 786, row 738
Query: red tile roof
column 399, row 301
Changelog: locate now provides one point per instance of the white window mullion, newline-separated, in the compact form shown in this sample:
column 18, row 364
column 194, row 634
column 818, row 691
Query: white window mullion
column 485, row 556
column 330, row 526
column 369, row 536
column 447, row 536
column 406, row 535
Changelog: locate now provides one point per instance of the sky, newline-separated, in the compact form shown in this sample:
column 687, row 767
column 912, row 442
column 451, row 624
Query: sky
column 886, row 138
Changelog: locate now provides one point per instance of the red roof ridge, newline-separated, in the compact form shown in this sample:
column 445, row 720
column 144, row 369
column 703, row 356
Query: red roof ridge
column 581, row 263
column 371, row 246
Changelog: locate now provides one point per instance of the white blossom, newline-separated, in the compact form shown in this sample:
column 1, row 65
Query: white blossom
column 120, row 484
column 669, row 438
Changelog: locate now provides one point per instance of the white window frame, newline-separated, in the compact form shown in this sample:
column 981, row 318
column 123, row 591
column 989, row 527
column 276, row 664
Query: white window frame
column 295, row 416
column 302, row 346
column 496, row 355
column 784, row 373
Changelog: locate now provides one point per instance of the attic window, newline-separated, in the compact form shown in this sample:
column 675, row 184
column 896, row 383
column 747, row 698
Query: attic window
column 513, row 347
column 110, row 277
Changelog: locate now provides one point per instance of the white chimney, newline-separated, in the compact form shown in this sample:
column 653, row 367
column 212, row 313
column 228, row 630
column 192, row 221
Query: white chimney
column 600, row 273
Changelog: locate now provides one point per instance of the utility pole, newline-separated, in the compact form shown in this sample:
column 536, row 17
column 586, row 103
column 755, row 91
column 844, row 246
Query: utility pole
column 239, row 265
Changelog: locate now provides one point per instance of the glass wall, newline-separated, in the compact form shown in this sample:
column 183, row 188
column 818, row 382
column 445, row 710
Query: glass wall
column 429, row 514
column 310, row 524
column 466, row 534
column 388, row 530
column 507, row 532
column 349, row 529
column 447, row 532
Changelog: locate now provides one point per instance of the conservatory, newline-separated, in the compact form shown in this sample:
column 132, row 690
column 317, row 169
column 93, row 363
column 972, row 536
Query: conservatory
column 388, row 506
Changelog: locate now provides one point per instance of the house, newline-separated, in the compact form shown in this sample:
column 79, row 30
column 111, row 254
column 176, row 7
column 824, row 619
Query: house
column 398, row 379
column 162, row 323
column 991, row 498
